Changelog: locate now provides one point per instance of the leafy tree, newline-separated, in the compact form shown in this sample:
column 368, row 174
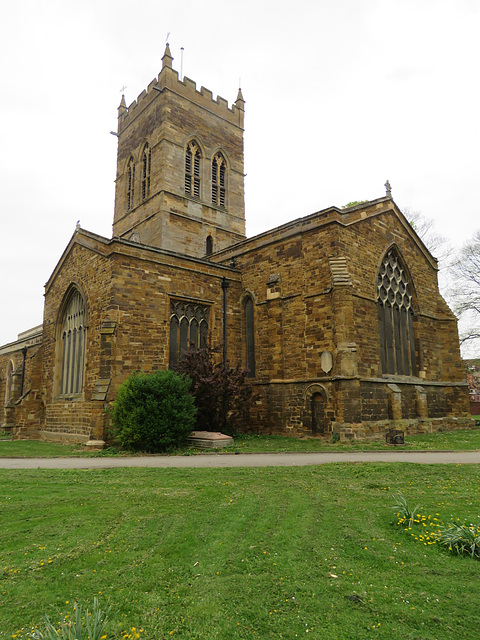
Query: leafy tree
column 223, row 395
column 153, row 411
column 353, row 203
column 466, row 271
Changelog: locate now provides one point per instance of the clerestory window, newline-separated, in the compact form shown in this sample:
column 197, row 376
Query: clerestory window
column 395, row 317
column 73, row 337
column 188, row 328
column 219, row 180
column 192, row 169
column 130, row 184
column 146, row 166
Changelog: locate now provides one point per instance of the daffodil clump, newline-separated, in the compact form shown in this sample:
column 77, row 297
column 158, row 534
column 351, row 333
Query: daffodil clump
column 429, row 529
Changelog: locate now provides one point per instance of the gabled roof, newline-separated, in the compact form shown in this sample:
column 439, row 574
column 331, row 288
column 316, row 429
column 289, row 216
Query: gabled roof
column 332, row 215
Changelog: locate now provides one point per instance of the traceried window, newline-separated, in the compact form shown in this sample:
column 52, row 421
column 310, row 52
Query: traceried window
column 192, row 169
column 395, row 317
column 73, row 335
column 188, row 328
column 219, row 180
column 250, row 335
column 130, row 184
column 146, row 166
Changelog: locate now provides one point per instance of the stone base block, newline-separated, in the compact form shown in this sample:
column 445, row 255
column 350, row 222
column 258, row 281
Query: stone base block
column 209, row 440
column 95, row 445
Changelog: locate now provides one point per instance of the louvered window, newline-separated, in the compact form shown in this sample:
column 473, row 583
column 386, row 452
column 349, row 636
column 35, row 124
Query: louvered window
column 73, row 336
column 130, row 183
column 395, row 318
column 219, row 180
column 146, row 165
column 192, row 170
column 188, row 328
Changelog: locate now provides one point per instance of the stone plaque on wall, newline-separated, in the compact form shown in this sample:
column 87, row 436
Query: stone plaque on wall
column 326, row 361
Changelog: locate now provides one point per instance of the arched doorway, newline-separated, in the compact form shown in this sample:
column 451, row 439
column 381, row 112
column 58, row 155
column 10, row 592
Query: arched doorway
column 319, row 414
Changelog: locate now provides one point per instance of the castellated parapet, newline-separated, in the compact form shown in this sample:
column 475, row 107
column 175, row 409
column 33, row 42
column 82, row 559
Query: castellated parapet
column 163, row 197
column 187, row 88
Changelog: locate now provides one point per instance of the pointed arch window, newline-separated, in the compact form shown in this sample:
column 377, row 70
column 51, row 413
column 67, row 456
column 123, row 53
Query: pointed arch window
column 188, row 328
column 146, row 166
column 395, row 317
column 219, row 180
column 192, row 169
column 250, row 335
column 130, row 184
column 73, row 337
column 9, row 382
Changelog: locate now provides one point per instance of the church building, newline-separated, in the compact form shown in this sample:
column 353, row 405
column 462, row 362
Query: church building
column 337, row 315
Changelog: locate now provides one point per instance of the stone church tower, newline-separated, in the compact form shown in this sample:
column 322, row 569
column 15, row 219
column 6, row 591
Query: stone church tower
column 180, row 178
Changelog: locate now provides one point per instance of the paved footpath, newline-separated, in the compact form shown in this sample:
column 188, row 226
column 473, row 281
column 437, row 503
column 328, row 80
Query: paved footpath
column 224, row 460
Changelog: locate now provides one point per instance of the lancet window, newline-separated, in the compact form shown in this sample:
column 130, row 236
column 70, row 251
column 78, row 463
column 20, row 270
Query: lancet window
column 188, row 328
column 219, row 180
column 9, row 382
column 250, row 335
column 73, row 335
column 146, row 166
column 192, row 169
column 130, row 184
column 395, row 317
column 209, row 246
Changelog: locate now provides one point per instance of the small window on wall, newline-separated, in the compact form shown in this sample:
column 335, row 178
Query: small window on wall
column 219, row 180
column 209, row 246
column 188, row 328
column 395, row 317
column 146, row 166
column 250, row 335
column 192, row 169
column 73, row 337
column 130, row 183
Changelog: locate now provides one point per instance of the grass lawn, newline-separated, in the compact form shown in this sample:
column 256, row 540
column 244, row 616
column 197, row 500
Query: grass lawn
column 454, row 440
column 239, row 553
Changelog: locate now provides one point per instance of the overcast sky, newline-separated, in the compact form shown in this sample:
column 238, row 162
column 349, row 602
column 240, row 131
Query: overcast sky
column 341, row 95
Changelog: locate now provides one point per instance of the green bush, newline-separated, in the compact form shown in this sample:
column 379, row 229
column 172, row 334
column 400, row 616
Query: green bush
column 153, row 411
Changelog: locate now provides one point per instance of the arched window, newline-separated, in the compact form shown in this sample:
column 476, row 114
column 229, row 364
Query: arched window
column 250, row 335
column 73, row 335
column 9, row 382
column 130, row 184
column 209, row 246
column 146, row 166
column 395, row 317
column 219, row 180
column 192, row 169
column 188, row 328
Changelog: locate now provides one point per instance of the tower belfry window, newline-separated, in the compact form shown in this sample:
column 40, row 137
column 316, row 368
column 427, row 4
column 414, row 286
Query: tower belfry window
column 192, row 170
column 146, row 166
column 219, row 180
column 130, row 183
column 395, row 318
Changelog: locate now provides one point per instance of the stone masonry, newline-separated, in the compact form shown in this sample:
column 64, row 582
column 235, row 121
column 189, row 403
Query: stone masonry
column 304, row 306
